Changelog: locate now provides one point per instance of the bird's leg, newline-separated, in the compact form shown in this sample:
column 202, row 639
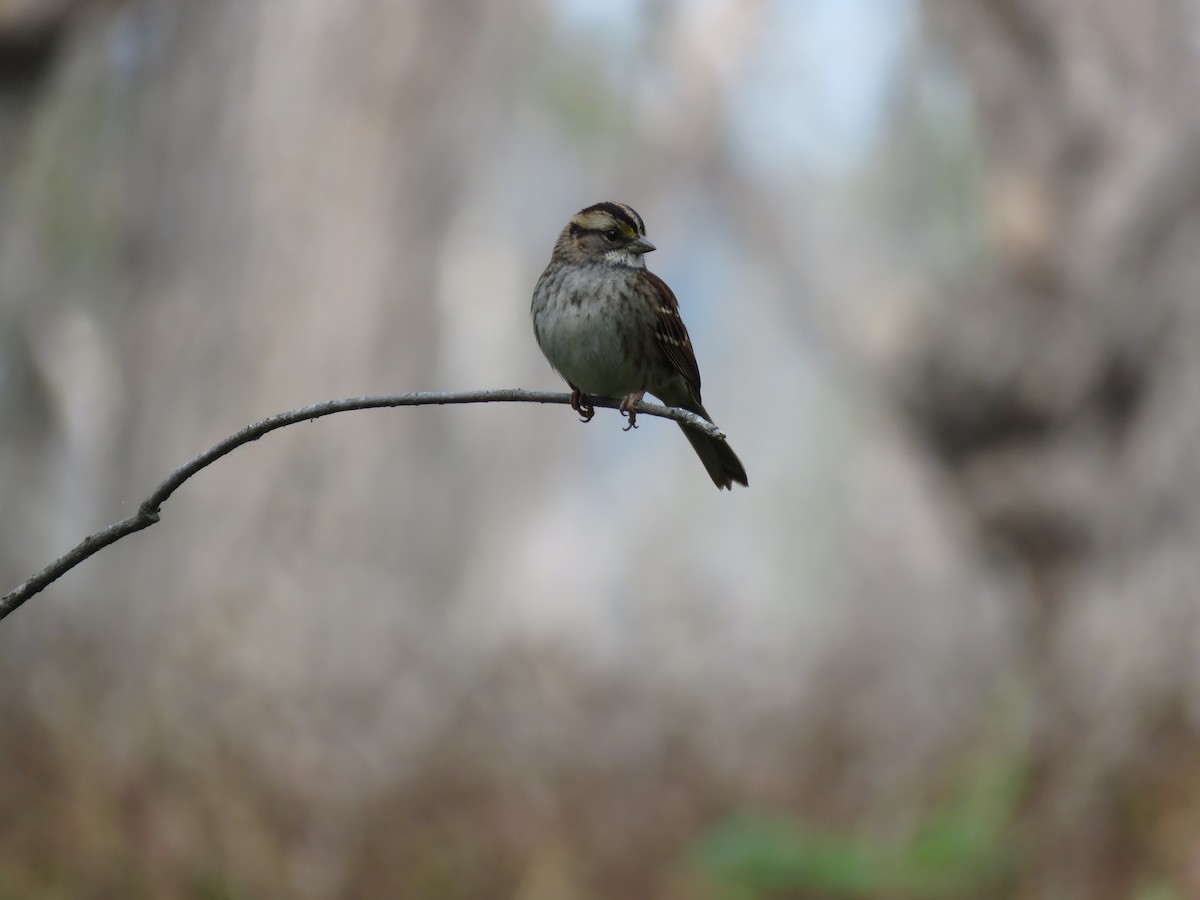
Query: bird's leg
column 580, row 404
column 627, row 407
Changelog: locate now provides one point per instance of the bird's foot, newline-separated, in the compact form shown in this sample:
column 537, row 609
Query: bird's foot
column 627, row 405
column 581, row 405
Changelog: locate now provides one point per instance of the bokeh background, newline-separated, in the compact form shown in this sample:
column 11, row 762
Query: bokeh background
column 941, row 264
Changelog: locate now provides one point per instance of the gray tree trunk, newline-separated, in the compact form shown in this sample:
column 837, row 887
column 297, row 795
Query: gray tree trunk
column 1059, row 388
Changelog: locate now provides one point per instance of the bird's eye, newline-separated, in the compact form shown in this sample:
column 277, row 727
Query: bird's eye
column 610, row 235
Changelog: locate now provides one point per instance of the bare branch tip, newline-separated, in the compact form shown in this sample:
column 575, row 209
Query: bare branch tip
column 149, row 511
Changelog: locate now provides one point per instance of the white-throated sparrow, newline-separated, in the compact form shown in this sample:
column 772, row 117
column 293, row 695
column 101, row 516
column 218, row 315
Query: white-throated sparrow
column 612, row 329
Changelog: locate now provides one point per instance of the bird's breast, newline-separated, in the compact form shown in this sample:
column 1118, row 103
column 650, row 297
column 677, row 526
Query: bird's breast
column 586, row 334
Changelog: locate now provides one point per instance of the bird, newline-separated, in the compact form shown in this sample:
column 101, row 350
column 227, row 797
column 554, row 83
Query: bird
column 611, row 328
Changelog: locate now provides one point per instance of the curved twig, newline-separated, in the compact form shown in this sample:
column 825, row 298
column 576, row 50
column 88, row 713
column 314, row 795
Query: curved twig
column 148, row 512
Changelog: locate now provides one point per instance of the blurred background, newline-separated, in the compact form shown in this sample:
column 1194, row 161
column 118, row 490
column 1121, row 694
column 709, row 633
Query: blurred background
column 939, row 262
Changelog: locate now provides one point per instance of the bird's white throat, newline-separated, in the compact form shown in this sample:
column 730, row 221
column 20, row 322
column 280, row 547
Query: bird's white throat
column 624, row 257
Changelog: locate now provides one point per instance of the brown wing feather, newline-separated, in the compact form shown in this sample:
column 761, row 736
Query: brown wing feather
column 673, row 336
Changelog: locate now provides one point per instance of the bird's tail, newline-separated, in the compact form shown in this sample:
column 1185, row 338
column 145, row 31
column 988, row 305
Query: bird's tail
column 722, row 464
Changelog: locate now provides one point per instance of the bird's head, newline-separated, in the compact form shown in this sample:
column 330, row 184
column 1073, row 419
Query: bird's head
column 610, row 233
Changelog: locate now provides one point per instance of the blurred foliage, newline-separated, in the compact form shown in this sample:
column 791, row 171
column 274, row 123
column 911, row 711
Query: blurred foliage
column 1158, row 892
column 966, row 846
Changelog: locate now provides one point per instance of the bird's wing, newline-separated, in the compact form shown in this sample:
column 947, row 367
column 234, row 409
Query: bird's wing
column 672, row 335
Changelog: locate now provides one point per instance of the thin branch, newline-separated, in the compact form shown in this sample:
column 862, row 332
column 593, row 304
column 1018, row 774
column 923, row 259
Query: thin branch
column 148, row 512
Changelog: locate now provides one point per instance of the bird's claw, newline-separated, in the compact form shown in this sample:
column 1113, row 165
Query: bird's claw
column 626, row 408
column 581, row 405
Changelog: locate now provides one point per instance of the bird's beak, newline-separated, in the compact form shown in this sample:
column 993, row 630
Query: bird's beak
column 640, row 245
